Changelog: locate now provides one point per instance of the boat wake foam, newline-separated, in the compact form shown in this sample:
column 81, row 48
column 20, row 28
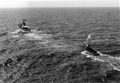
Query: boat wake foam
column 112, row 61
column 34, row 34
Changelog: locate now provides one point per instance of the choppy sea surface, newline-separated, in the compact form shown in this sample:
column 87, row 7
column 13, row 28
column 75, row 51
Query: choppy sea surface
column 25, row 60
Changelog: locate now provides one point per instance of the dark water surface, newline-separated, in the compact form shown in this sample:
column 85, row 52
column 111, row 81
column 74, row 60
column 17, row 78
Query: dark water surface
column 32, row 63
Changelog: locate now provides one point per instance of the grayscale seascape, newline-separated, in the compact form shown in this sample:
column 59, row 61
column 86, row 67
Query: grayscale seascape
column 57, row 58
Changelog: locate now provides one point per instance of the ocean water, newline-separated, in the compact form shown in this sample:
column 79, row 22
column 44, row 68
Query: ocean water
column 74, row 23
column 70, row 26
